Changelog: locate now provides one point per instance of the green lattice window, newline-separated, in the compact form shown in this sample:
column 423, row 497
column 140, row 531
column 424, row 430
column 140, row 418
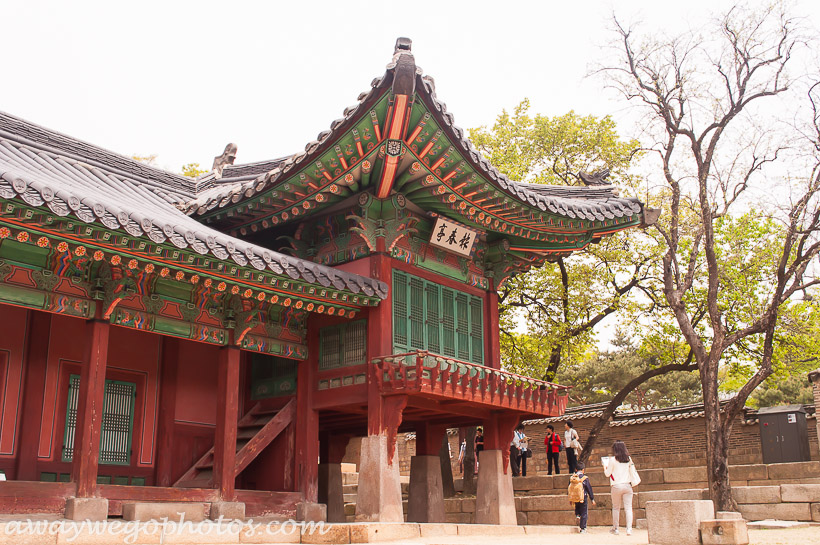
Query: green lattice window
column 272, row 376
column 343, row 345
column 428, row 316
column 117, row 421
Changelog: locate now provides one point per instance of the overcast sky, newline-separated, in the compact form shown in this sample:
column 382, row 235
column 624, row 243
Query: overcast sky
column 182, row 79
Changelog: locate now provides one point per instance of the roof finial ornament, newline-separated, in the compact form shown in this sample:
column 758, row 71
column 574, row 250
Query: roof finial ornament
column 597, row 178
column 227, row 158
column 403, row 44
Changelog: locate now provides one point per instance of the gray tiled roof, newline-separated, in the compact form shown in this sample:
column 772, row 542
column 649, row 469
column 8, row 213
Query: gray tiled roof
column 72, row 178
column 175, row 187
column 250, row 170
column 590, row 203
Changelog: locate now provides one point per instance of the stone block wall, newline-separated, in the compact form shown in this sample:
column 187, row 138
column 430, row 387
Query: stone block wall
column 658, row 444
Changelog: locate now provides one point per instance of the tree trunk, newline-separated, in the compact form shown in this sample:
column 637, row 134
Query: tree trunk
column 592, row 437
column 555, row 362
column 468, row 480
column 717, row 443
column 446, row 468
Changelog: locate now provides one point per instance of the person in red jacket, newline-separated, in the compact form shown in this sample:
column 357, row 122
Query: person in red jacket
column 552, row 445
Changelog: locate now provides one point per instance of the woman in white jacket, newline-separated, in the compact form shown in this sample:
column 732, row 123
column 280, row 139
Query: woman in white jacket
column 617, row 469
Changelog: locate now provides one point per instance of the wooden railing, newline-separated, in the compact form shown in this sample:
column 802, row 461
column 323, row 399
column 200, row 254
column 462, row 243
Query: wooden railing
column 423, row 372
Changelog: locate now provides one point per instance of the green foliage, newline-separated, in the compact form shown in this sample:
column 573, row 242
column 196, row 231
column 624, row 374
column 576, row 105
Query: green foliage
column 147, row 159
column 192, row 170
column 603, row 375
column 551, row 150
column 560, row 304
column 775, row 391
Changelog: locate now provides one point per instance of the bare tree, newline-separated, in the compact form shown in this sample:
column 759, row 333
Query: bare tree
column 709, row 102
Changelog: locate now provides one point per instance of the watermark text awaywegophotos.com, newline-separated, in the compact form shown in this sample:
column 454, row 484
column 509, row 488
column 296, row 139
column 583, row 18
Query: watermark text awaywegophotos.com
column 134, row 530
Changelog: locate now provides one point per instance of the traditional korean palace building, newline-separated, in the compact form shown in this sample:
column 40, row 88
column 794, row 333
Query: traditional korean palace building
column 220, row 339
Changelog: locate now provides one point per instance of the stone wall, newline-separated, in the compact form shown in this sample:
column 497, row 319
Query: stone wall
column 655, row 444
column 780, row 491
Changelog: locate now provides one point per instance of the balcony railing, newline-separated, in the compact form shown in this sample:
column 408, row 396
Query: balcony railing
column 439, row 376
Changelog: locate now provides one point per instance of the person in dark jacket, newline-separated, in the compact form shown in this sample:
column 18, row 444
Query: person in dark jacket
column 582, row 507
column 552, row 445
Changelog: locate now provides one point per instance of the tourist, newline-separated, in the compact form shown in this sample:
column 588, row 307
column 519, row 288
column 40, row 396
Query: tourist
column 579, row 490
column 479, row 444
column 553, row 446
column 520, row 442
column 622, row 475
column 572, row 445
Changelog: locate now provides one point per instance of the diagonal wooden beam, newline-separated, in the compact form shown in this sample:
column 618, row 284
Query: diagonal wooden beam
column 264, row 437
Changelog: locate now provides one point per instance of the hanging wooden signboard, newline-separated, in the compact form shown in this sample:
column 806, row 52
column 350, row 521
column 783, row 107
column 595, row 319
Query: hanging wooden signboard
column 453, row 237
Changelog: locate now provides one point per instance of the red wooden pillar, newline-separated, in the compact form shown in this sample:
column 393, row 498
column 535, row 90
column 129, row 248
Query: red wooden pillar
column 379, row 338
column 34, row 369
column 89, row 409
column 167, row 409
column 227, row 415
column 307, row 423
column 492, row 341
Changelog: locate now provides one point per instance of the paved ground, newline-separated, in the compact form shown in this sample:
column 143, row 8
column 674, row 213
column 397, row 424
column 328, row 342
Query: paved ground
column 601, row 536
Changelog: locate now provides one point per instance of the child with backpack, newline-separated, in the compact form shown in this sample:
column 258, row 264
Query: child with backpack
column 579, row 490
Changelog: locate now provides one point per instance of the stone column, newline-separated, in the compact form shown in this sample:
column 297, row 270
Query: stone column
column 814, row 378
column 426, row 499
column 495, row 500
column 379, row 492
column 331, row 491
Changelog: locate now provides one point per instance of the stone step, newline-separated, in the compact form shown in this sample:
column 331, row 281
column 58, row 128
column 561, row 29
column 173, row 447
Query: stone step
column 350, row 478
column 349, row 468
column 145, row 511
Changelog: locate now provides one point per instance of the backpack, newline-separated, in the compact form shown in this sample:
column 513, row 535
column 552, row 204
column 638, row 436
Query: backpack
column 576, row 489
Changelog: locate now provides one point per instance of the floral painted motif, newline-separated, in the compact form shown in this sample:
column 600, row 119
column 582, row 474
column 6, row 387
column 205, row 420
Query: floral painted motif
column 22, row 236
column 164, row 272
column 116, row 260
column 99, row 255
column 43, row 242
column 221, row 286
column 5, row 232
column 149, row 268
column 132, row 264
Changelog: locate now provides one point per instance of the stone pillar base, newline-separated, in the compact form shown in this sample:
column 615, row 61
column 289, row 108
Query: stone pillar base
column 426, row 499
column 379, row 493
column 311, row 512
column 495, row 502
column 86, row 508
column 677, row 522
column 227, row 510
column 331, row 492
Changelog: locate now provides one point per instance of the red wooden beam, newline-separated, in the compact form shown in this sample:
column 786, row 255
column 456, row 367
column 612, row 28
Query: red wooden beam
column 227, row 415
column 34, row 369
column 306, row 451
column 167, row 409
column 89, row 409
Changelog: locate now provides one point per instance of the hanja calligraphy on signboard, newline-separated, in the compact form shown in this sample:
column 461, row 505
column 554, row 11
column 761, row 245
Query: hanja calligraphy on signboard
column 453, row 237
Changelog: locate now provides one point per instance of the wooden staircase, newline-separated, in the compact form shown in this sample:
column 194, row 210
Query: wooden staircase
column 254, row 432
